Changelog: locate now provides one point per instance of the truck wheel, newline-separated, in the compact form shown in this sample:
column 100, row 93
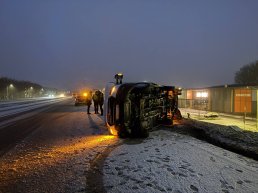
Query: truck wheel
column 122, row 134
column 144, row 133
column 140, row 133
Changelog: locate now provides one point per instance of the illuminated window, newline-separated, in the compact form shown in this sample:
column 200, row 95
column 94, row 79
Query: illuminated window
column 202, row 94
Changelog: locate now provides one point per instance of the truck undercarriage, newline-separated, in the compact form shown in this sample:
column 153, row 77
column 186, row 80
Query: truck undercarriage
column 135, row 108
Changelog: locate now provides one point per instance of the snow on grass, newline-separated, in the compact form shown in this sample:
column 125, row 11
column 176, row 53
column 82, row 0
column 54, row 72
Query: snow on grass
column 250, row 124
column 171, row 162
column 230, row 137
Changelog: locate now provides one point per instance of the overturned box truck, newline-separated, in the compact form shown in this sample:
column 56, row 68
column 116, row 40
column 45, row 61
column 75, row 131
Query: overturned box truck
column 132, row 109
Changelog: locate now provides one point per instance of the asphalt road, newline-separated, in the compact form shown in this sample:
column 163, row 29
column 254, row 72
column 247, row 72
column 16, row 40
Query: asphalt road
column 52, row 150
column 22, row 124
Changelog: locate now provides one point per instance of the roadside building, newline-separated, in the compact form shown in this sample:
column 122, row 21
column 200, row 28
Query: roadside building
column 233, row 99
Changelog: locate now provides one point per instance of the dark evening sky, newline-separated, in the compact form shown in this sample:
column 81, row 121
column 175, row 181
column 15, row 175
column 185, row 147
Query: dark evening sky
column 70, row 44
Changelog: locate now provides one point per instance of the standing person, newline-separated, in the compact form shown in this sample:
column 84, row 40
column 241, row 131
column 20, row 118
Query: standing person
column 95, row 101
column 101, row 102
column 88, row 102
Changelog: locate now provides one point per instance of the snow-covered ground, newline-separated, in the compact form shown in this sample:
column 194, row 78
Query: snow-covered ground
column 249, row 124
column 172, row 162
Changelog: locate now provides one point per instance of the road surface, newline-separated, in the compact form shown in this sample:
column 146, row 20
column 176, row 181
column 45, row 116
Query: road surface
column 52, row 150
column 62, row 149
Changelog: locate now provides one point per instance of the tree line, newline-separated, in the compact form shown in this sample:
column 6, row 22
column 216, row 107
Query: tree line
column 11, row 89
column 248, row 74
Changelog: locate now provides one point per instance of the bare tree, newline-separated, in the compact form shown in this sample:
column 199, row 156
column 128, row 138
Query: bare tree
column 248, row 74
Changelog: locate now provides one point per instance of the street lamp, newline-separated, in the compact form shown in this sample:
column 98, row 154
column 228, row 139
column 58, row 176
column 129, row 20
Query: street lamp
column 7, row 90
column 41, row 92
column 31, row 91
column 25, row 93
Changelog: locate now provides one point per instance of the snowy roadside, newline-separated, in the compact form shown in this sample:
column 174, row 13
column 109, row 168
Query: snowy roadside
column 172, row 162
column 230, row 137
